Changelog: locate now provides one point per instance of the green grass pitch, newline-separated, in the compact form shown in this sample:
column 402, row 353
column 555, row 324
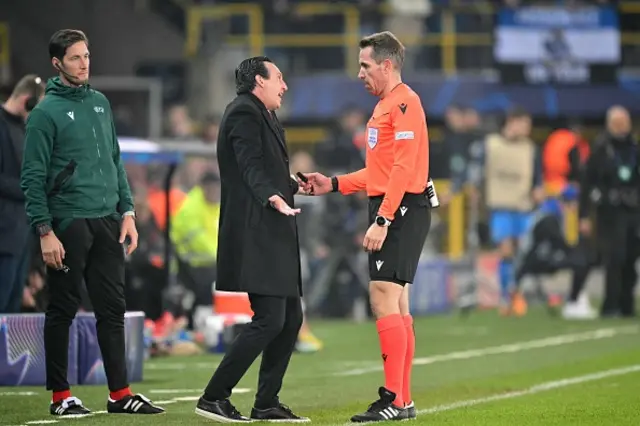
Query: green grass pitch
column 482, row 370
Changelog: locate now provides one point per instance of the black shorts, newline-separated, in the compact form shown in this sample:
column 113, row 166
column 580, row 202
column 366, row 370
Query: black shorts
column 397, row 261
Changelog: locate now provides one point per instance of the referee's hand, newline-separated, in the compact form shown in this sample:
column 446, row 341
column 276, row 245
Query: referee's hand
column 279, row 204
column 52, row 250
column 374, row 238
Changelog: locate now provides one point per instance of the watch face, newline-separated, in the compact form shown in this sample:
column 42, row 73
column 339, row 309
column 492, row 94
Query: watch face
column 380, row 221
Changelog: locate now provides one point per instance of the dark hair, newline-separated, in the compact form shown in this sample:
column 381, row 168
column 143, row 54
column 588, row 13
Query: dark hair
column 384, row 45
column 31, row 85
column 61, row 40
column 248, row 70
column 517, row 112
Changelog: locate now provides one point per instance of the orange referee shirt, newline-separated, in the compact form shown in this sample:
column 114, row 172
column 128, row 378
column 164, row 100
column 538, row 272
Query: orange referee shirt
column 397, row 156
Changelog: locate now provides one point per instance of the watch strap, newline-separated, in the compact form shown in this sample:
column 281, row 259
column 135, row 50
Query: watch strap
column 334, row 184
column 43, row 229
column 382, row 221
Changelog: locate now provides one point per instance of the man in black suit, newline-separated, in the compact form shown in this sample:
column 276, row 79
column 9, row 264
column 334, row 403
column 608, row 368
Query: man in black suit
column 15, row 241
column 258, row 249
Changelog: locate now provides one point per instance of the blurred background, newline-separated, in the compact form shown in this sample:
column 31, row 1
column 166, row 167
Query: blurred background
column 167, row 68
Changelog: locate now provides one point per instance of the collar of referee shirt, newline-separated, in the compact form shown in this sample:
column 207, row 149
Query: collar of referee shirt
column 55, row 86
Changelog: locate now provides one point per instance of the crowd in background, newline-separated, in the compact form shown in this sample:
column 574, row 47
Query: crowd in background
column 331, row 228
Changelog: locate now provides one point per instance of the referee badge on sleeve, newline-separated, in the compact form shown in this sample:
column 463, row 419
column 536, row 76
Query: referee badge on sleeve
column 372, row 137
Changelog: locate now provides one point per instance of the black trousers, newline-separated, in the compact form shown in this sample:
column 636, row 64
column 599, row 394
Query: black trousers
column 619, row 238
column 273, row 332
column 93, row 254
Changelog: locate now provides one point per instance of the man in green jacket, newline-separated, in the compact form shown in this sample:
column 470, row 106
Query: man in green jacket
column 79, row 202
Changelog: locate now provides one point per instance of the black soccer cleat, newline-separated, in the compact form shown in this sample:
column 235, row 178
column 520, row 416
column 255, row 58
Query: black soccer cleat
column 71, row 406
column 382, row 409
column 133, row 404
column 410, row 412
column 280, row 414
column 221, row 411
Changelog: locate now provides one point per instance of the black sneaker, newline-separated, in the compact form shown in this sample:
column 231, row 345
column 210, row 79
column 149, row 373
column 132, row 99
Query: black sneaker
column 280, row 414
column 221, row 411
column 410, row 412
column 381, row 410
column 133, row 404
column 71, row 406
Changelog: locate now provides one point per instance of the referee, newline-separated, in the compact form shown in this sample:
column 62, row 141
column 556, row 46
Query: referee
column 78, row 200
column 395, row 178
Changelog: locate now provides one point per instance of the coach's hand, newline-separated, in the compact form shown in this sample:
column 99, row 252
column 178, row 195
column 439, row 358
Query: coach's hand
column 279, row 204
column 128, row 229
column 374, row 238
column 52, row 250
column 321, row 184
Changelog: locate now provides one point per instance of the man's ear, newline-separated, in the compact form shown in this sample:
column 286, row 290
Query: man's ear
column 259, row 80
column 388, row 66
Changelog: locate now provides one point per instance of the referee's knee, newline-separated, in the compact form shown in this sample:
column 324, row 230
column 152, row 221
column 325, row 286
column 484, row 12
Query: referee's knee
column 385, row 297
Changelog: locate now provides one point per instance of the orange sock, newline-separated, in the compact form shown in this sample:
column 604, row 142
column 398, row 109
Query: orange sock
column 408, row 359
column 393, row 343
column 119, row 394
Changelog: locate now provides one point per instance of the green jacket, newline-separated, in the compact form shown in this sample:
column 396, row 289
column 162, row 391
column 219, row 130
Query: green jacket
column 71, row 166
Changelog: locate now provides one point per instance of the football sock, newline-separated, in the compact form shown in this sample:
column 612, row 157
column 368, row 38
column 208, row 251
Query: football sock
column 119, row 394
column 408, row 359
column 393, row 344
column 61, row 395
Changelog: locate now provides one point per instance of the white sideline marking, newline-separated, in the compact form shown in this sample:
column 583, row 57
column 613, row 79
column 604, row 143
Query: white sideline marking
column 179, row 365
column 25, row 393
column 542, row 387
column 564, row 339
column 170, row 391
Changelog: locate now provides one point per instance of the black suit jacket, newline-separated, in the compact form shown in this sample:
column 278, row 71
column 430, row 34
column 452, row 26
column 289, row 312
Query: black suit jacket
column 14, row 226
column 258, row 248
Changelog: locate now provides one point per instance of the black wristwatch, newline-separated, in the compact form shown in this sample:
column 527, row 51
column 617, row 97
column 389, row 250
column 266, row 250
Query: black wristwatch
column 334, row 184
column 382, row 221
column 43, row 229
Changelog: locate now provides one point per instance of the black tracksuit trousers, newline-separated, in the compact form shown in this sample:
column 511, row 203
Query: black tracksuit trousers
column 619, row 239
column 93, row 255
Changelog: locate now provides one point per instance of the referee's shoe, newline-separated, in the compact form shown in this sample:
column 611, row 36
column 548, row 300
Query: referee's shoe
column 382, row 409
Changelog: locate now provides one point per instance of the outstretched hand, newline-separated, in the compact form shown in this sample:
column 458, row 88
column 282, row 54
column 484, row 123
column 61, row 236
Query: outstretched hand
column 281, row 205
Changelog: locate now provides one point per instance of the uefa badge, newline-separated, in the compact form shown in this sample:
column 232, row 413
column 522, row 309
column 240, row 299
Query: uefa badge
column 372, row 137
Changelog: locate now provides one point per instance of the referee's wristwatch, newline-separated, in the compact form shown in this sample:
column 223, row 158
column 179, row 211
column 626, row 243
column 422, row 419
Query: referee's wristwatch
column 382, row 221
column 43, row 229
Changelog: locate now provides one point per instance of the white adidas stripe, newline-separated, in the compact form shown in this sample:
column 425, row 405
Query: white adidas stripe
column 389, row 413
column 126, row 406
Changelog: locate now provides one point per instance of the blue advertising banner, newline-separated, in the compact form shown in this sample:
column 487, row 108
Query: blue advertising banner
column 22, row 357
column 557, row 45
column 22, row 360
